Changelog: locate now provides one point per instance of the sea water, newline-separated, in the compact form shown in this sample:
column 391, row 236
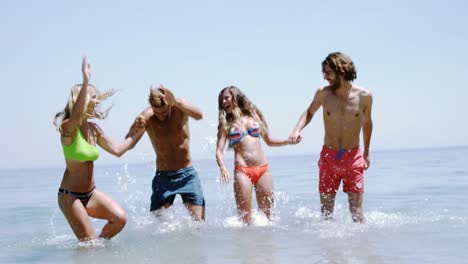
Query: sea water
column 415, row 202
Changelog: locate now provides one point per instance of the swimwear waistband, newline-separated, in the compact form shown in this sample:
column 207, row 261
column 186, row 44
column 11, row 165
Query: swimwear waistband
column 77, row 194
column 340, row 149
column 183, row 170
column 259, row 166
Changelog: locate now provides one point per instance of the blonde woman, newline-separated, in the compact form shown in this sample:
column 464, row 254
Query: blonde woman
column 78, row 197
column 242, row 124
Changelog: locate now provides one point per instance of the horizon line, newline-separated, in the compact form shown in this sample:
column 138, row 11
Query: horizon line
column 271, row 156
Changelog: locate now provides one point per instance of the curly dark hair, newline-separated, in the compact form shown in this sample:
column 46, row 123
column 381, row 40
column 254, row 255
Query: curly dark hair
column 341, row 64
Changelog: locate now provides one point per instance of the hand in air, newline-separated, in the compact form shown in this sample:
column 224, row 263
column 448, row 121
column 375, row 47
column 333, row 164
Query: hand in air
column 167, row 95
column 86, row 69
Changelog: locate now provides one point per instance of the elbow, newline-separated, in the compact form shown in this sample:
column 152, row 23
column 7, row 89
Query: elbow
column 119, row 153
column 198, row 116
column 219, row 156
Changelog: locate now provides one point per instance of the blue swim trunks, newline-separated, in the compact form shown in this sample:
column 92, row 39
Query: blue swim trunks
column 167, row 184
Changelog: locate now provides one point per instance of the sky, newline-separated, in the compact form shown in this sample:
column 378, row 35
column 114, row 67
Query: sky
column 412, row 55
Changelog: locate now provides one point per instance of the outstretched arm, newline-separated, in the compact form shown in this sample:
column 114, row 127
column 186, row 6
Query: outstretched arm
column 367, row 127
column 275, row 142
column 295, row 136
column 79, row 108
column 138, row 127
column 182, row 104
column 220, row 144
column 106, row 143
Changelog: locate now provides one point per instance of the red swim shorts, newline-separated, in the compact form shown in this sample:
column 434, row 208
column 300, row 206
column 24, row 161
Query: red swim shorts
column 341, row 165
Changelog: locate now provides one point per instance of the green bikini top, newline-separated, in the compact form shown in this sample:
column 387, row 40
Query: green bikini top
column 80, row 149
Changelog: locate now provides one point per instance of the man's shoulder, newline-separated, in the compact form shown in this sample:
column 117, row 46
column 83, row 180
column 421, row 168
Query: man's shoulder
column 147, row 113
column 364, row 92
column 322, row 91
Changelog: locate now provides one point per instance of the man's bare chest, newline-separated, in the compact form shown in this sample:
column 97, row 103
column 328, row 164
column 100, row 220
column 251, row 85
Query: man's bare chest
column 339, row 108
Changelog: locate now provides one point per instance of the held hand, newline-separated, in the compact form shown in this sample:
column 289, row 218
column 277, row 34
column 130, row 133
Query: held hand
column 140, row 122
column 295, row 137
column 86, row 69
column 167, row 95
column 137, row 127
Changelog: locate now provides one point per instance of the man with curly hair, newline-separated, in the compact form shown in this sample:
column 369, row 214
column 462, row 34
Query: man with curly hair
column 346, row 109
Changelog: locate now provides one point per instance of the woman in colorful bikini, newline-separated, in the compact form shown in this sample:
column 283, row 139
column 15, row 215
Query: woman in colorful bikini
column 242, row 124
column 78, row 197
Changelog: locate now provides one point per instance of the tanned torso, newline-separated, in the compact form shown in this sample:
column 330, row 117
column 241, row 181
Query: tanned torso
column 343, row 117
column 248, row 152
column 78, row 175
column 170, row 139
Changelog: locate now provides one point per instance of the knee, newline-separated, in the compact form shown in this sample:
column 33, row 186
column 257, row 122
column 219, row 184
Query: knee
column 119, row 219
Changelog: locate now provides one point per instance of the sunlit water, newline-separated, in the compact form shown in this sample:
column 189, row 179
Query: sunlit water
column 416, row 206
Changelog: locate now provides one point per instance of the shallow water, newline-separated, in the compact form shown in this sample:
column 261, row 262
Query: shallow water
column 415, row 205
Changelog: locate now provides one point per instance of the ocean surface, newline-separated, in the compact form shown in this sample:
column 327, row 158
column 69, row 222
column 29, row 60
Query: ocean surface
column 416, row 205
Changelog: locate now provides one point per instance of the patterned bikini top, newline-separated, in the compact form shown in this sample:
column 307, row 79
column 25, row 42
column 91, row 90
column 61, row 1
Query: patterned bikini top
column 236, row 134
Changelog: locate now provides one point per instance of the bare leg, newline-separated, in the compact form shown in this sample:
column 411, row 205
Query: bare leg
column 77, row 217
column 158, row 211
column 243, row 194
column 328, row 205
column 355, row 207
column 197, row 212
column 264, row 193
column 102, row 206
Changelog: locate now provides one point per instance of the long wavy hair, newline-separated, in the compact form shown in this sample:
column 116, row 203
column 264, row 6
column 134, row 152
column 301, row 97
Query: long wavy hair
column 75, row 91
column 341, row 64
column 242, row 107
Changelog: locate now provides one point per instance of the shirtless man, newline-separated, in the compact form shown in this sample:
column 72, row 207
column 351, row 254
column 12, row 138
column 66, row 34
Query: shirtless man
column 346, row 109
column 166, row 122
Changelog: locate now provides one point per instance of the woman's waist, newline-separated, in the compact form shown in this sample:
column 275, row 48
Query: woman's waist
column 250, row 159
column 77, row 182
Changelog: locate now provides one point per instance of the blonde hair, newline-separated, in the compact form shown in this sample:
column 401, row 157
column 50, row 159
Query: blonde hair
column 242, row 107
column 75, row 91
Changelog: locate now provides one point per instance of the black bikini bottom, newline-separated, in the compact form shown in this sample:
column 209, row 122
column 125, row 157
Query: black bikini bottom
column 83, row 197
